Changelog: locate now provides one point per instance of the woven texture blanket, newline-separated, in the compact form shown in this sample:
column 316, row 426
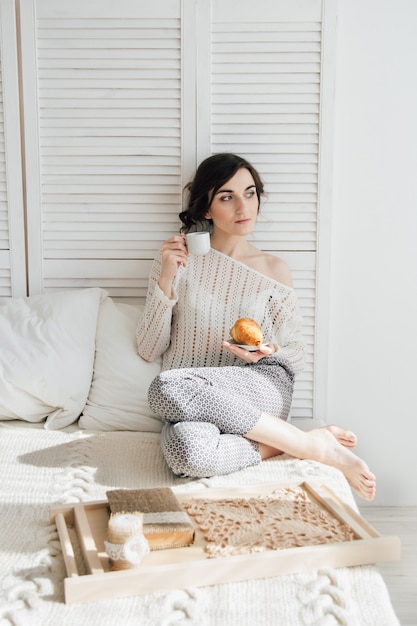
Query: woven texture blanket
column 41, row 467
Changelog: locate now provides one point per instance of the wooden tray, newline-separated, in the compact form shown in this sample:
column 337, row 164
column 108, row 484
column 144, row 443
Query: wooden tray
column 190, row 567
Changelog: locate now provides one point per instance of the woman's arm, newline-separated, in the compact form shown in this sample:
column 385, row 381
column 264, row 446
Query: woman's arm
column 286, row 330
column 153, row 333
column 280, row 319
column 173, row 255
column 154, row 327
column 285, row 316
column 286, row 340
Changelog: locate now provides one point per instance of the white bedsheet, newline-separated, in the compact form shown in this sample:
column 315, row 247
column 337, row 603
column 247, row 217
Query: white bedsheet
column 42, row 467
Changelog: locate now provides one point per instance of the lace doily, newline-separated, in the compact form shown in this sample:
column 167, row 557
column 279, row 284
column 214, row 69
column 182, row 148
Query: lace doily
column 285, row 518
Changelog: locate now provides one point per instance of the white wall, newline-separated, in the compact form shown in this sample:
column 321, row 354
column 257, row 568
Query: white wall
column 372, row 381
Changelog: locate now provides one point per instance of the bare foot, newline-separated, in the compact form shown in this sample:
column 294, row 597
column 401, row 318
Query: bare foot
column 345, row 437
column 328, row 450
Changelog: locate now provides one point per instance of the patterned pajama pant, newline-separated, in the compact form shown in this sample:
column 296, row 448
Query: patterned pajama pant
column 207, row 410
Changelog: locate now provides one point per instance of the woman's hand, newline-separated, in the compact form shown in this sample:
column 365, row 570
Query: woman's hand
column 174, row 255
column 265, row 349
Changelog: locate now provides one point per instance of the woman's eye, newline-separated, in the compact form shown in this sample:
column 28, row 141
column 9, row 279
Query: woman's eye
column 226, row 197
column 250, row 194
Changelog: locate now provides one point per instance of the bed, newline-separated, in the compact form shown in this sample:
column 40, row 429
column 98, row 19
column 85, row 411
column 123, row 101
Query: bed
column 74, row 424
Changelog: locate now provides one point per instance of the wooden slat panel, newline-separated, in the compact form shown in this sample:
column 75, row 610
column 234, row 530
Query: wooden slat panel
column 5, row 274
column 265, row 105
column 12, row 238
column 304, row 278
column 108, row 96
column 297, row 10
column 250, row 119
column 117, row 122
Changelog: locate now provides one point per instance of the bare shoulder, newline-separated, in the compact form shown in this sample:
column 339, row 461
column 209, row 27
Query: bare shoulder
column 278, row 269
column 272, row 266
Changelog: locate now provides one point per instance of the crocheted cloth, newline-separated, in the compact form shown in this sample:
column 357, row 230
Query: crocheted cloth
column 286, row 518
column 40, row 467
column 211, row 293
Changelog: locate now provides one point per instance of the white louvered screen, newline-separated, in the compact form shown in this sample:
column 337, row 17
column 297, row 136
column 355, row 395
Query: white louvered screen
column 122, row 99
column 265, row 104
column 304, row 276
column 12, row 238
column 108, row 101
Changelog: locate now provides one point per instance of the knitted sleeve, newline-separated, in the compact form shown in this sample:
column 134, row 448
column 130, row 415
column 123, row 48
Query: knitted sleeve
column 153, row 333
column 286, row 329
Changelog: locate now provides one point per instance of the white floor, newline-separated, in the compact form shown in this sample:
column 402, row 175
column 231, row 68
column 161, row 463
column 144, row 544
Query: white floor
column 400, row 576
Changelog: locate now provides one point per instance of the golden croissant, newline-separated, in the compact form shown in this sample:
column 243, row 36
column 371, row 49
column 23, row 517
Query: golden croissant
column 247, row 331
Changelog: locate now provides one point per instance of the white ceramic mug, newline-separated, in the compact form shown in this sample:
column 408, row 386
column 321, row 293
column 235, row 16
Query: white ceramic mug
column 198, row 243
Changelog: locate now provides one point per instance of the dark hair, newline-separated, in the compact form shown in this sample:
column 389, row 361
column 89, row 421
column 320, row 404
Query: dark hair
column 211, row 175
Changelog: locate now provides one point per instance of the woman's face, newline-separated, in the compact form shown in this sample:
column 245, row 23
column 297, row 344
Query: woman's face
column 235, row 205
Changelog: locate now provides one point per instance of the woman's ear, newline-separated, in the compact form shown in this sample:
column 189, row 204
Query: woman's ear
column 207, row 215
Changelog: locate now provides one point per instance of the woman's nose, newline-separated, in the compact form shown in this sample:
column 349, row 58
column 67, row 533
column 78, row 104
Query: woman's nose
column 240, row 204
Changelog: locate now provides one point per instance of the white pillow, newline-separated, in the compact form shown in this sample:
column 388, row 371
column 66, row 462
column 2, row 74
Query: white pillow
column 118, row 398
column 47, row 355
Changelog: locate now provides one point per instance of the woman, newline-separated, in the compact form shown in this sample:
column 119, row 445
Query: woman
column 226, row 407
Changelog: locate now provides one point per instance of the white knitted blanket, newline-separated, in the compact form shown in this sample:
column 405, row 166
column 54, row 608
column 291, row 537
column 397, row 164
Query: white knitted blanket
column 40, row 467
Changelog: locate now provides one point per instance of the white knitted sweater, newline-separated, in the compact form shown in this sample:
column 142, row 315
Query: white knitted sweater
column 209, row 295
